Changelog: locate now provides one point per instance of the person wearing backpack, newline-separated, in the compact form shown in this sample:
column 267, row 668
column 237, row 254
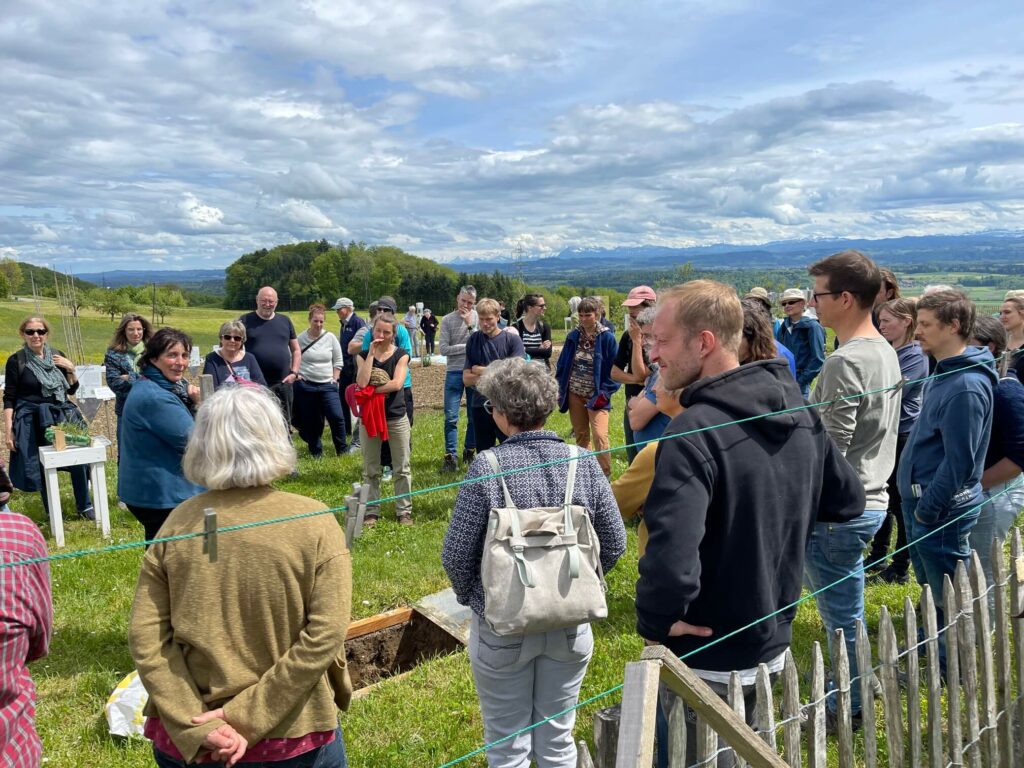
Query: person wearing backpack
column 529, row 669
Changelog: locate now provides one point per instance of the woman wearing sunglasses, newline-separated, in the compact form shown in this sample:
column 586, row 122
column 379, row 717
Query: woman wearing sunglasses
column 38, row 382
column 231, row 364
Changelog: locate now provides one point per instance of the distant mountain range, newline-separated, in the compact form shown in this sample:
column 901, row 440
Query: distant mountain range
column 576, row 264
column 988, row 246
column 208, row 280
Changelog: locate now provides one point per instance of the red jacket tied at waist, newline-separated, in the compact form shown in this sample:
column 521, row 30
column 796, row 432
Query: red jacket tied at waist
column 371, row 410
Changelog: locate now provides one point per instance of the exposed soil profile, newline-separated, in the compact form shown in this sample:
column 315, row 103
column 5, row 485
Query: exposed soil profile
column 392, row 650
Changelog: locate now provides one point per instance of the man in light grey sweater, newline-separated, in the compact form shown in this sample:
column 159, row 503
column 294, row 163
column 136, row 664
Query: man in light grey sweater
column 455, row 330
column 865, row 430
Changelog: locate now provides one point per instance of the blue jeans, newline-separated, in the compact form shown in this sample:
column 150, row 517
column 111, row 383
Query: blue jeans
column 995, row 519
column 328, row 756
column 935, row 552
column 313, row 403
column 453, row 388
column 836, row 550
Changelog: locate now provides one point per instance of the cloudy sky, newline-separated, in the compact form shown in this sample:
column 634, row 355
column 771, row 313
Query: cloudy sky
column 183, row 134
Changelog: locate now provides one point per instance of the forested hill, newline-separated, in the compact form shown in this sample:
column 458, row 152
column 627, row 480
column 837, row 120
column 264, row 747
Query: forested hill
column 303, row 273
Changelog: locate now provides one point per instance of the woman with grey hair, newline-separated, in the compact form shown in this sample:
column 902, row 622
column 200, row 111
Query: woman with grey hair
column 230, row 363
column 243, row 662
column 521, row 679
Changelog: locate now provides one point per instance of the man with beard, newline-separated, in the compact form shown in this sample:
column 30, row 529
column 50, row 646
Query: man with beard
column 731, row 508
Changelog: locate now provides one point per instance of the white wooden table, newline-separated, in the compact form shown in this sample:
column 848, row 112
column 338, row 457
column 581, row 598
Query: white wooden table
column 93, row 456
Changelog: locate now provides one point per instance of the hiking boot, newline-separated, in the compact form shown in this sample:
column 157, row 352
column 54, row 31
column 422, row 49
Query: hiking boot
column 467, row 456
column 892, row 576
column 450, row 464
column 387, row 475
column 405, row 520
column 89, row 513
column 369, row 521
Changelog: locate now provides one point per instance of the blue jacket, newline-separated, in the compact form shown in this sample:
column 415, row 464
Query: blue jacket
column 120, row 364
column 945, row 453
column 784, row 353
column 913, row 367
column 806, row 340
column 155, row 426
column 604, row 358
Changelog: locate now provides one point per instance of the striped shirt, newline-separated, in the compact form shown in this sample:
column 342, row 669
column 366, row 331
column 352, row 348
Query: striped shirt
column 26, row 624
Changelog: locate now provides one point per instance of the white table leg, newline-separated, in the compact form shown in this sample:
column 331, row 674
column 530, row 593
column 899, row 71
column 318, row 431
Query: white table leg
column 53, row 499
column 99, row 498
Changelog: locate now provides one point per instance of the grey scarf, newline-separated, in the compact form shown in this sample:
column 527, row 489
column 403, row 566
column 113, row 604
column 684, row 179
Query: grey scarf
column 51, row 378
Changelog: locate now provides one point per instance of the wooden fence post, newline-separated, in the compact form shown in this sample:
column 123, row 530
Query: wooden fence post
column 933, row 678
column 816, row 756
column 844, row 714
column 889, row 673
column 1016, row 606
column 636, row 728
column 764, row 707
column 739, row 706
column 913, row 683
column 867, row 695
column 968, row 665
column 983, row 629
column 1004, row 682
column 951, row 609
column 791, row 712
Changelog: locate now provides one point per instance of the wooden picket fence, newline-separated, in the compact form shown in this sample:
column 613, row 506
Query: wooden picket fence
column 976, row 719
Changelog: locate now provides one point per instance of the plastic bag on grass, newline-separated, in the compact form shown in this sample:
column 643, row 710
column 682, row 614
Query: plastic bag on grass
column 124, row 707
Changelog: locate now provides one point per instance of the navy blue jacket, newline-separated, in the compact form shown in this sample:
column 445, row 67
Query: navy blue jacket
column 806, row 340
column 155, row 427
column 1007, row 439
column 945, row 453
column 604, row 357
column 348, row 332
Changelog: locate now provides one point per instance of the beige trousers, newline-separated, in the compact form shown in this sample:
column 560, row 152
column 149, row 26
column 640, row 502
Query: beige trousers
column 398, row 436
column 588, row 424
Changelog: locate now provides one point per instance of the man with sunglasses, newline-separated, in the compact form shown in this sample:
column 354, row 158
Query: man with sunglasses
column 803, row 336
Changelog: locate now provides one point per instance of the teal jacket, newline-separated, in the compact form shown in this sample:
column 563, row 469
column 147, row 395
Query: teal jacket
column 155, row 427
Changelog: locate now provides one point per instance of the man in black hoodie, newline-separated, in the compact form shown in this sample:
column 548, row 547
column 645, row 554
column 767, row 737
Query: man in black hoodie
column 731, row 509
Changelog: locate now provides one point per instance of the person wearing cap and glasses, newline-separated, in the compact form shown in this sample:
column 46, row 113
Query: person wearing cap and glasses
column 803, row 336
column 350, row 325
column 631, row 366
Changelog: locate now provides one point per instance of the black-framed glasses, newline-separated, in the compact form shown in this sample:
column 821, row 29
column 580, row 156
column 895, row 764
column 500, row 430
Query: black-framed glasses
column 827, row 293
column 488, row 407
column 36, row 331
column 228, row 337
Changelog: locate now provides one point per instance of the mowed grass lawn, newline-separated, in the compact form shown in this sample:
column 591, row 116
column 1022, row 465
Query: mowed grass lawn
column 425, row 719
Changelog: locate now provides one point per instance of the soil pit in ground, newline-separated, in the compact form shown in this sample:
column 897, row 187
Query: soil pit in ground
column 392, row 643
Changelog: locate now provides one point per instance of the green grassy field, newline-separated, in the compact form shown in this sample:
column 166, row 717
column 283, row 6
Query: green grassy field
column 425, row 719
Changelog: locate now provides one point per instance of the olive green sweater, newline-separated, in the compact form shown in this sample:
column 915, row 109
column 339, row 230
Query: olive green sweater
column 260, row 632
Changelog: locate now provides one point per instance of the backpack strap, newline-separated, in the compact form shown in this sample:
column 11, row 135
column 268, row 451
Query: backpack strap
column 496, row 469
column 568, row 528
column 518, row 550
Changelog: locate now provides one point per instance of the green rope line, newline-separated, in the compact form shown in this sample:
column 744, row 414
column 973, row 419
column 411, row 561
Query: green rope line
column 723, row 638
column 458, row 483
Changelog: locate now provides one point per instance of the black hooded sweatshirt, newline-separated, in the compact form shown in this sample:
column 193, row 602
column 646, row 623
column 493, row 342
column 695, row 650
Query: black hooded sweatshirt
column 730, row 512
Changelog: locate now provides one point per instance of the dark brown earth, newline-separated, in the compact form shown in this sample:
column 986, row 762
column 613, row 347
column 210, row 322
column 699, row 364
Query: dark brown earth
column 393, row 650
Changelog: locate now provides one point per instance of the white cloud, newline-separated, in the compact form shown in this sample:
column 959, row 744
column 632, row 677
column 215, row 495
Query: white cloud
column 463, row 128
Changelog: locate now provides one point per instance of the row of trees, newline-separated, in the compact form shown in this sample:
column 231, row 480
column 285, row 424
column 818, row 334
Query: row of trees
column 164, row 299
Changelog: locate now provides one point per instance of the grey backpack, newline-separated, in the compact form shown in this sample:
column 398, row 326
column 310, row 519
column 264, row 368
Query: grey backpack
column 541, row 567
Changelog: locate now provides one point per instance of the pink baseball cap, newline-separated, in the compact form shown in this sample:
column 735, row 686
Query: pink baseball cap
column 639, row 295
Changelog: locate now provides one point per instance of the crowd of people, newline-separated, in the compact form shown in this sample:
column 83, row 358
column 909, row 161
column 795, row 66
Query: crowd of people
column 724, row 467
